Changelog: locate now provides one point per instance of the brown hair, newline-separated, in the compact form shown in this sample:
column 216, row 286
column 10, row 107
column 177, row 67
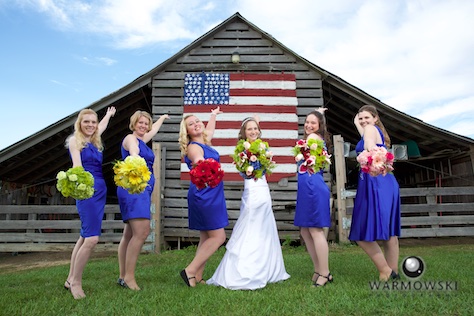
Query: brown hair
column 244, row 126
column 372, row 110
column 322, row 131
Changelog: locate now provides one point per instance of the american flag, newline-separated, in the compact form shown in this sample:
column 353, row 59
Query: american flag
column 271, row 96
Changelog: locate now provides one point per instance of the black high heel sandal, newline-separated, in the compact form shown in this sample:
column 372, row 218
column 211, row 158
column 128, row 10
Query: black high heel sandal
column 329, row 278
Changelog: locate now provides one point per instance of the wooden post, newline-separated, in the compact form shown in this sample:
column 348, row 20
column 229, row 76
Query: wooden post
column 156, row 199
column 340, row 168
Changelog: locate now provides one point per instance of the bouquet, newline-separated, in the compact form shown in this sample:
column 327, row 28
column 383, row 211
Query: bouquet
column 206, row 173
column 377, row 161
column 253, row 160
column 76, row 183
column 311, row 156
column 132, row 174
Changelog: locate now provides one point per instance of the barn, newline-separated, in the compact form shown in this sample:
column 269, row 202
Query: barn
column 434, row 167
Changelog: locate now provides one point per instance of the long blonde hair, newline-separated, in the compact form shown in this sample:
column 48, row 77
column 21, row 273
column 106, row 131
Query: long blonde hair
column 79, row 135
column 372, row 110
column 184, row 138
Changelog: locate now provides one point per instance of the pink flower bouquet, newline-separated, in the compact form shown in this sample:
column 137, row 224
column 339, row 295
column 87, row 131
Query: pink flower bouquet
column 377, row 161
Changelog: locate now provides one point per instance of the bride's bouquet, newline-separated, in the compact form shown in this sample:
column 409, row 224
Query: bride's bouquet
column 311, row 156
column 377, row 161
column 253, row 160
column 132, row 174
column 206, row 173
column 76, row 183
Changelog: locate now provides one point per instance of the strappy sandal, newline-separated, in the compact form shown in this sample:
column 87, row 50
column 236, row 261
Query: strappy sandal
column 329, row 278
column 67, row 288
column 202, row 281
column 185, row 277
column 315, row 274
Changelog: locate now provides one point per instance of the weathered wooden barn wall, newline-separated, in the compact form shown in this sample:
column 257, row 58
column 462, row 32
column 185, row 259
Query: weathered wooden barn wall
column 257, row 54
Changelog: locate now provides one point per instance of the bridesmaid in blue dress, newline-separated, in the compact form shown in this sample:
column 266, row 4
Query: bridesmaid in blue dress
column 207, row 210
column 376, row 215
column 85, row 149
column 312, row 212
column 135, row 208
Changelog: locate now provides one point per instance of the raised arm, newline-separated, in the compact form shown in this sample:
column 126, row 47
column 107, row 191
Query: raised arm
column 359, row 127
column 155, row 128
column 105, row 121
column 211, row 124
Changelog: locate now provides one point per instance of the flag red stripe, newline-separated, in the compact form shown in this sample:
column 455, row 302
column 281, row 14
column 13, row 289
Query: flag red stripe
column 262, row 77
column 263, row 125
column 271, row 142
column 241, row 108
column 262, row 93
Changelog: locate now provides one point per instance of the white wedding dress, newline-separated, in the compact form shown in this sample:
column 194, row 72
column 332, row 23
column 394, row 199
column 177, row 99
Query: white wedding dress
column 253, row 257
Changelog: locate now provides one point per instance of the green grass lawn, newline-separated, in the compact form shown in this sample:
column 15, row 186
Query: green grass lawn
column 40, row 291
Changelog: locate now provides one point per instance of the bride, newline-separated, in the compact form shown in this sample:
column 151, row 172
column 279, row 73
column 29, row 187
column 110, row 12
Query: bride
column 253, row 255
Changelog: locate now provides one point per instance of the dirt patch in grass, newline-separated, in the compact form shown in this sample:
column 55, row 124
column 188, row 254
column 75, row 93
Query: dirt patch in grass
column 10, row 262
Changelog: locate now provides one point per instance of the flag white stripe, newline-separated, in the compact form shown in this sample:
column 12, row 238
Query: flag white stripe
column 248, row 84
column 263, row 100
column 277, row 151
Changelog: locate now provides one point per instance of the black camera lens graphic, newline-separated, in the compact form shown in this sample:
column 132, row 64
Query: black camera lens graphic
column 413, row 267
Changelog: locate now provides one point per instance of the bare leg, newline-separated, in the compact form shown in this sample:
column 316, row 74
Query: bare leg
column 308, row 240
column 392, row 252
column 199, row 273
column 140, row 231
column 212, row 240
column 77, row 246
column 321, row 248
column 372, row 249
column 122, row 249
column 80, row 262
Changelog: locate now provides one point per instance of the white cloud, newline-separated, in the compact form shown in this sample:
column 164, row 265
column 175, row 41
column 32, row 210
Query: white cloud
column 415, row 56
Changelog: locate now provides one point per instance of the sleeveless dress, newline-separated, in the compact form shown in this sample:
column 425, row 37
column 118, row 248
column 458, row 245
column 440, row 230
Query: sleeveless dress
column 91, row 210
column 253, row 257
column 312, row 201
column 376, row 214
column 206, row 207
column 133, row 206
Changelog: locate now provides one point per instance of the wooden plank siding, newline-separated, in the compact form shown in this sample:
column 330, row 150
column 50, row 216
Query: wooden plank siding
column 259, row 54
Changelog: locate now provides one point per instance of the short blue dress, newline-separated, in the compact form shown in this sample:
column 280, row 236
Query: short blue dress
column 133, row 206
column 206, row 207
column 91, row 210
column 376, row 214
column 312, row 201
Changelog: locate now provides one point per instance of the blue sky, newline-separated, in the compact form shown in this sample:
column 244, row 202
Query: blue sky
column 60, row 56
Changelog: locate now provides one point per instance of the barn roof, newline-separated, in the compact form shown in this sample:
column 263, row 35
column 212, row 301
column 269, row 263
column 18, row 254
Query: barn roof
column 37, row 158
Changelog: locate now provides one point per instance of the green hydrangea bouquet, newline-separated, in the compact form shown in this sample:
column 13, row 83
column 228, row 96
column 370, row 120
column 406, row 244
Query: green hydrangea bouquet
column 76, row 183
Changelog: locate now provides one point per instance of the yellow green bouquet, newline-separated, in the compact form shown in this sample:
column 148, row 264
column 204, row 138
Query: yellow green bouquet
column 132, row 174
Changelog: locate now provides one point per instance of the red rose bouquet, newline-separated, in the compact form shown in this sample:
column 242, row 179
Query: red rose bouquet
column 206, row 173
column 377, row 161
